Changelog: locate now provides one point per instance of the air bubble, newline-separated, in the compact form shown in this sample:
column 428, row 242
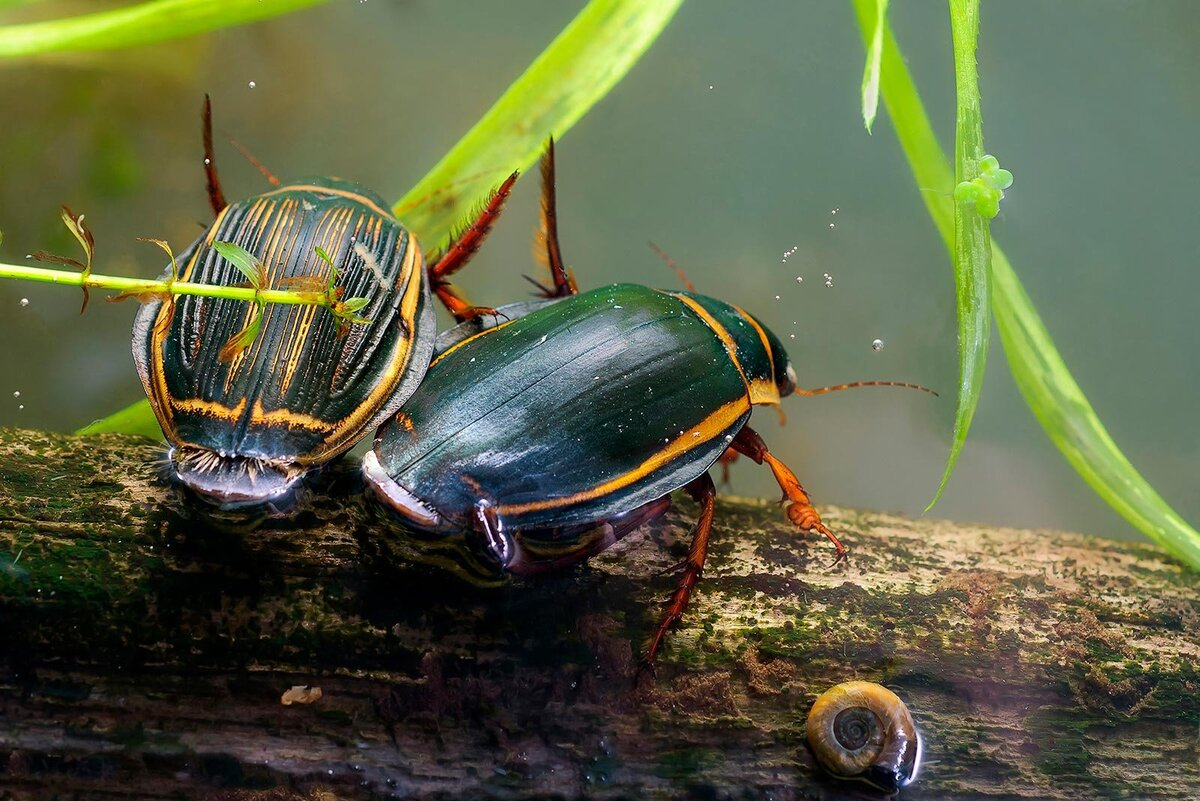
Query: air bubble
column 252, row 84
column 24, row 303
column 831, row 225
column 828, row 280
column 799, row 279
column 17, row 393
column 877, row 345
column 776, row 297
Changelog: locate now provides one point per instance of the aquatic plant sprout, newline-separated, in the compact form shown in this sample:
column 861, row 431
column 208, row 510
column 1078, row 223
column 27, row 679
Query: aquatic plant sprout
column 137, row 24
column 972, row 236
column 1041, row 375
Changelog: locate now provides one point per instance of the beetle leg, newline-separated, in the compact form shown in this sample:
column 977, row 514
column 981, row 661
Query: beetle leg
column 459, row 307
column 800, row 509
column 462, row 248
column 497, row 542
column 725, row 460
column 548, row 250
column 216, row 198
column 703, row 491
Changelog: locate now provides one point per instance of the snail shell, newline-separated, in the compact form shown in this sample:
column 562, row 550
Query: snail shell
column 861, row 730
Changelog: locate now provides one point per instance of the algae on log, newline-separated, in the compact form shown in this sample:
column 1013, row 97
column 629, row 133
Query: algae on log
column 145, row 655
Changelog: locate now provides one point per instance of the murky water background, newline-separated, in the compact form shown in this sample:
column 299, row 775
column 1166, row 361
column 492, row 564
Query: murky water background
column 736, row 145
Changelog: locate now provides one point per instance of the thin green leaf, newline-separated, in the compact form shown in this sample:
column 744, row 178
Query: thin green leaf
column 246, row 262
column 354, row 304
column 244, row 338
column 870, row 81
column 972, row 240
column 132, row 419
column 578, row 68
column 1042, row 376
column 138, row 24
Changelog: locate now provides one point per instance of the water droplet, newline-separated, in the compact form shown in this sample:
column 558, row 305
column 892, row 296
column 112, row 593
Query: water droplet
column 788, row 253
column 207, row 160
column 24, row 303
column 252, row 84
column 799, row 279
column 710, row 87
column 17, row 393
column 831, row 225
column 792, row 336
column 20, row 406
column 834, row 211
column 828, row 280
column 877, row 345
column 776, row 297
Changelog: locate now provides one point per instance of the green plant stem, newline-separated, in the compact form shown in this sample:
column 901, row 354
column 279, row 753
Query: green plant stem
column 147, row 285
column 138, row 24
column 1041, row 375
column 972, row 240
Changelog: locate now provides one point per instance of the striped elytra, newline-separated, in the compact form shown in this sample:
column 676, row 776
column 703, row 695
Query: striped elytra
column 244, row 430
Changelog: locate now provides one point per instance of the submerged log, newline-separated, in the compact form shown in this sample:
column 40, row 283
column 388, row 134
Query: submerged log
column 145, row 655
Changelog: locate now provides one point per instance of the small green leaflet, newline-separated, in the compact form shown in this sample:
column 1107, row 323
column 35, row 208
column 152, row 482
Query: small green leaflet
column 245, row 261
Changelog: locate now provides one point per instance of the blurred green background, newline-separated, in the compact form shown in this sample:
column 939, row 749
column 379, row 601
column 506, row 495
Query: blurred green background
column 737, row 145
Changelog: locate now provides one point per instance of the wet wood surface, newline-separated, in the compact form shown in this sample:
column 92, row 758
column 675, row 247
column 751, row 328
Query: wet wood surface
column 144, row 654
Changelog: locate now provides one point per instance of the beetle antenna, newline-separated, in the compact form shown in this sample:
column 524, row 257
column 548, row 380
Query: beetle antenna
column 216, row 198
column 662, row 254
column 853, row 384
column 258, row 165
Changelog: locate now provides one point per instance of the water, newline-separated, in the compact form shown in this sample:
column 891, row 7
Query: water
column 735, row 140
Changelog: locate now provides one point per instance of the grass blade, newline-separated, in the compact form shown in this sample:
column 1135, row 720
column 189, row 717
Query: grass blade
column 136, row 418
column 579, row 67
column 138, row 24
column 570, row 76
column 1042, row 376
column 972, row 240
column 870, row 81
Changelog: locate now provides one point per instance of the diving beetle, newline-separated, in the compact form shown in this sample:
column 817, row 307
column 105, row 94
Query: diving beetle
column 246, row 424
column 545, row 435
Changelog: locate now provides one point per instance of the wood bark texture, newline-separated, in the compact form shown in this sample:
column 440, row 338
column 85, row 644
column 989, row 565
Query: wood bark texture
column 144, row 654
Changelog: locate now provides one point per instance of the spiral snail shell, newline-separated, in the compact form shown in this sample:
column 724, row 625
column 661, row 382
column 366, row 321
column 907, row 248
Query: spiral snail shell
column 863, row 731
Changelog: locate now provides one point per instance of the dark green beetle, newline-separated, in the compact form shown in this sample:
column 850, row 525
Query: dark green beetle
column 246, row 424
column 543, row 439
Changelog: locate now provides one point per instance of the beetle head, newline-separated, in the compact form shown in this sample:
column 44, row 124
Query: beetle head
column 781, row 365
column 233, row 481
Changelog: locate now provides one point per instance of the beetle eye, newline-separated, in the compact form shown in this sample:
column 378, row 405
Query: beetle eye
column 789, row 385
